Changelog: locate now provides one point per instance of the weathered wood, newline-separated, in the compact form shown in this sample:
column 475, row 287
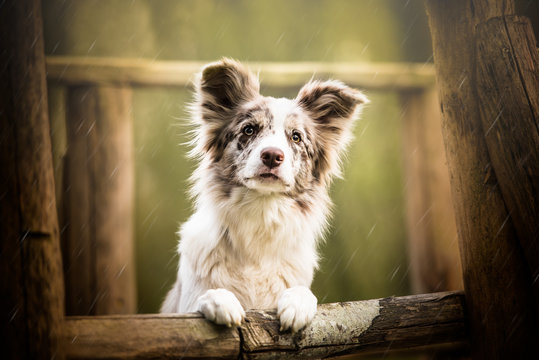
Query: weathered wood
column 31, row 285
column 508, row 94
column 418, row 323
column 138, row 72
column 497, row 279
column 186, row 336
column 97, row 240
column 432, row 234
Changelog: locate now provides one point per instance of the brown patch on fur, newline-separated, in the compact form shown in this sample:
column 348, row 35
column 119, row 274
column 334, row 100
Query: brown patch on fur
column 332, row 107
column 303, row 206
column 228, row 83
column 222, row 88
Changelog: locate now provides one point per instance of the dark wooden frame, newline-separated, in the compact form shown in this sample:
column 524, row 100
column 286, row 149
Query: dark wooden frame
column 488, row 81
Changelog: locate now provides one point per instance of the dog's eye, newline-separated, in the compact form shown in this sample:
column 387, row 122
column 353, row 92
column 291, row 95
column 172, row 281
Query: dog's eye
column 296, row 137
column 248, row 130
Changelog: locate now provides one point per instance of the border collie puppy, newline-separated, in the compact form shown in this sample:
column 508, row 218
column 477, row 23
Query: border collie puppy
column 261, row 195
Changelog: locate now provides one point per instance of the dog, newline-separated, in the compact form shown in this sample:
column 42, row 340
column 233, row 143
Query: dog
column 261, row 195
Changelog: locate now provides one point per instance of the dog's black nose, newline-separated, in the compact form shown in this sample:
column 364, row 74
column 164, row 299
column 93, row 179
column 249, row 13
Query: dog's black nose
column 272, row 157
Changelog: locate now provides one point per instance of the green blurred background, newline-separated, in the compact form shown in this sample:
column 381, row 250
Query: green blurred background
column 365, row 252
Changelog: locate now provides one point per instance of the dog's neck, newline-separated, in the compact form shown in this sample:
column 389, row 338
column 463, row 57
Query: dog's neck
column 265, row 225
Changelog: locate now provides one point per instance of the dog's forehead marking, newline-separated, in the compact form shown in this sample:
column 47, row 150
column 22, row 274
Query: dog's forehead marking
column 282, row 110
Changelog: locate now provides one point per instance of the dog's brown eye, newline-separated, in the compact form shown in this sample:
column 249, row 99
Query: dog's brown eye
column 296, row 137
column 248, row 130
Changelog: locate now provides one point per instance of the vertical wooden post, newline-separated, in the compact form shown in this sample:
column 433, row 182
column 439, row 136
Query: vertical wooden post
column 98, row 202
column 31, row 284
column 432, row 234
column 488, row 92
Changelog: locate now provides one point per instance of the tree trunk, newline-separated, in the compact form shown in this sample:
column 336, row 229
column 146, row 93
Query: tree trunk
column 487, row 81
column 97, row 240
column 31, row 284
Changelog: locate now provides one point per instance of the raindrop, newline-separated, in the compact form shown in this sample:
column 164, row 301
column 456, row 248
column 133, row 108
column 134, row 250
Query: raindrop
column 494, row 122
column 502, row 226
column 91, row 46
column 350, row 260
column 394, row 273
column 371, row 230
column 121, row 271
column 15, row 311
column 279, row 39
column 462, row 81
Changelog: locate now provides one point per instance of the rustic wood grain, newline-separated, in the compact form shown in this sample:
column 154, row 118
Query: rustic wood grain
column 497, row 279
column 97, row 219
column 139, row 72
column 508, row 94
column 149, row 337
column 31, row 284
column 432, row 234
column 417, row 323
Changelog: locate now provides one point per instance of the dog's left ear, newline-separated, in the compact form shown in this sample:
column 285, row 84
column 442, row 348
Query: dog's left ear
column 333, row 107
column 330, row 103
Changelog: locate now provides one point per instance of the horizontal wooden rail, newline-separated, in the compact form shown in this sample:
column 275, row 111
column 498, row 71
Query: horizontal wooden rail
column 417, row 322
column 139, row 72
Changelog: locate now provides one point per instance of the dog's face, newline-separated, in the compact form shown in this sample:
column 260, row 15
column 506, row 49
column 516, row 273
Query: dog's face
column 268, row 144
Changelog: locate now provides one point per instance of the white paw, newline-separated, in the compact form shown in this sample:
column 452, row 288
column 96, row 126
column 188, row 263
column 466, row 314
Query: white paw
column 296, row 308
column 222, row 307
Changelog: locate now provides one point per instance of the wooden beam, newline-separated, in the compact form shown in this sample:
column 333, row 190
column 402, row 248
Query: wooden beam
column 417, row 323
column 487, row 150
column 508, row 71
column 98, row 197
column 185, row 336
column 432, row 234
column 31, row 282
column 139, row 72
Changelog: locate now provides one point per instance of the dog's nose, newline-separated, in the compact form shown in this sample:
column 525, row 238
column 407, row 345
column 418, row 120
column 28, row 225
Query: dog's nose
column 272, row 157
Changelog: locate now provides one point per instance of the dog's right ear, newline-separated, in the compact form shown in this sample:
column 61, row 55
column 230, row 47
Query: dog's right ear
column 223, row 86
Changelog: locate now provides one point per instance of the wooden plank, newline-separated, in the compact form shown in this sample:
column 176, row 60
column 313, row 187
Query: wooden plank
column 432, row 233
column 31, row 283
column 98, row 239
column 497, row 279
column 149, row 337
column 139, row 72
column 417, row 323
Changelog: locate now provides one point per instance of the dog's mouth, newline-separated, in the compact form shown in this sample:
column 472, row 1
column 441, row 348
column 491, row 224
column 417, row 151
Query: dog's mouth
column 269, row 176
column 267, row 181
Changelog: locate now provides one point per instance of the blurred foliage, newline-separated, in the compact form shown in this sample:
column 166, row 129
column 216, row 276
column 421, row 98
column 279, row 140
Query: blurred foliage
column 365, row 254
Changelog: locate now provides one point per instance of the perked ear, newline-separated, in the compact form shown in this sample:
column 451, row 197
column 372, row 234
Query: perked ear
column 221, row 87
column 333, row 107
column 330, row 102
column 224, row 85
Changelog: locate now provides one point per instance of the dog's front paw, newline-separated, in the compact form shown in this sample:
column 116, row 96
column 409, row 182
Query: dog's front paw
column 222, row 307
column 296, row 308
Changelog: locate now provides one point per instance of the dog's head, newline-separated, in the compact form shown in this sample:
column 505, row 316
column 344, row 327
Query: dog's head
column 268, row 144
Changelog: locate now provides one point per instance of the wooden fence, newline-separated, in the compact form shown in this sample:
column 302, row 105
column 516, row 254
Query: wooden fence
column 410, row 323
column 489, row 84
column 100, row 135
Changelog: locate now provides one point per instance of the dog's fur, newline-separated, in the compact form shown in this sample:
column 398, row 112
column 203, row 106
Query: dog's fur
column 261, row 195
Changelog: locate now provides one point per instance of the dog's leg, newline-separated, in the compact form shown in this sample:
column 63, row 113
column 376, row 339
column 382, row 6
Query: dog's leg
column 221, row 306
column 296, row 308
column 172, row 301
